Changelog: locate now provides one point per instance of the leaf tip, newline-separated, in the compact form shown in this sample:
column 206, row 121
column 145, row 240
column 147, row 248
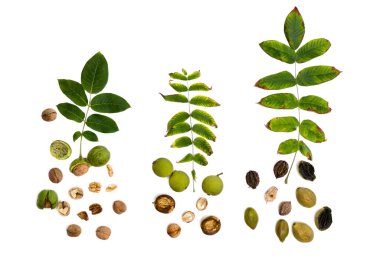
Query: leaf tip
column 295, row 10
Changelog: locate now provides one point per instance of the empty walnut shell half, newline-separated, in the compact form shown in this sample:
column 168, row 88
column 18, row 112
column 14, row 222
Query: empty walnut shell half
column 164, row 204
column 210, row 225
column 63, row 208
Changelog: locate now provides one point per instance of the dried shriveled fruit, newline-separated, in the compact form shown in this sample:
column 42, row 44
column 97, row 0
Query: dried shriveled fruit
column 164, row 204
column 271, row 194
column 103, row 232
column 210, row 225
column 302, row 232
column 252, row 178
column 49, row 114
column 251, row 217
column 73, row 230
column 63, row 208
column 306, row 170
column 280, row 169
column 306, row 197
column 173, row 230
column 323, row 218
column 201, row 203
column 284, row 208
column 55, row 175
column 282, row 229
column 119, row 207
column 188, row 216
column 83, row 215
column 60, row 150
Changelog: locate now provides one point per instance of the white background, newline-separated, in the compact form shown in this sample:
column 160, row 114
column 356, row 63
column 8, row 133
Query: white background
column 143, row 41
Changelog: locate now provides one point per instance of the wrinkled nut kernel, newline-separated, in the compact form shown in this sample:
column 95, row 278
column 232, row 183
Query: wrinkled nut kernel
column 306, row 197
column 173, row 230
column 83, row 215
column 323, row 218
column 95, row 208
column 95, row 187
column 302, row 232
column 49, row 114
column 110, row 170
column 119, row 207
column 271, row 194
column 76, row 193
column 252, row 178
column 164, row 204
column 55, row 175
column 103, row 232
column 284, row 208
column 188, row 216
column 210, row 225
column 201, row 204
column 63, row 208
column 306, row 170
column 111, row 187
column 280, row 169
column 73, row 230
column 282, row 229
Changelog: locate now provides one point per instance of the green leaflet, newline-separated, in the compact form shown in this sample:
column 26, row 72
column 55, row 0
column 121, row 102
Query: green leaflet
column 203, row 145
column 177, row 118
column 101, row 123
column 204, row 131
column 76, row 135
column 71, row 112
column 200, row 159
column 184, row 72
column 287, row 147
column 178, row 128
column 90, row 136
column 181, row 142
column 199, row 87
column 194, row 75
column 311, row 131
column 179, row 87
column 280, row 80
column 94, row 75
column 177, row 75
column 179, row 98
column 312, row 49
column 203, row 117
column 194, row 175
column 74, row 91
column 280, row 101
column 186, row 159
column 283, row 124
column 305, row 150
column 279, row 51
column 203, row 101
column 315, row 104
column 109, row 103
column 294, row 28
column 316, row 75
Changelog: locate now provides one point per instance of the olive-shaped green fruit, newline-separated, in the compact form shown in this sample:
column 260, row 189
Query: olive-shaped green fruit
column 47, row 199
column 212, row 185
column 282, row 229
column 162, row 167
column 79, row 166
column 98, row 156
column 60, row 150
column 323, row 218
column 306, row 197
column 302, row 232
column 251, row 217
column 179, row 181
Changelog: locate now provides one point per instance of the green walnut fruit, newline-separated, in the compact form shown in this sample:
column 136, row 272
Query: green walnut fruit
column 98, row 156
column 179, row 181
column 47, row 199
column 282, row 229
column 251, row 217
column 212, row 185
column 60, row 150
column 79, row 166
column 302, row 232
column 162, row 167
column 306, row 197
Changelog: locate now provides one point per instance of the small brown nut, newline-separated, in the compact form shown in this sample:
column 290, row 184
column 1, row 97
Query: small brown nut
column 280, row 169
column 173, row 230
column 164, row 204
column 83, row 215
column 284, row 208
column 201, row 203
column 111, row 187
column 103, row 232
column 49, row 114
column 110, row 170
column 252, row 178
column 95, row 208
column 271, row 194
column 73, row 230
column 188, row 216
column 76, row 193
column 119, row 207
column 63, row 208
column 95, row 187
column 210, row 225
column 55, row 175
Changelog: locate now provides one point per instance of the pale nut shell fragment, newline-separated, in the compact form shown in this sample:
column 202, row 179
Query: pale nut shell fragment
column 110, row 170
column 188, row 216
column 201, row 203
column 111, row 187
column 271, row 194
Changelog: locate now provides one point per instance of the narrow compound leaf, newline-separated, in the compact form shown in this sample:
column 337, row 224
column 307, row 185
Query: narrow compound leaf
column 277, row 81
column 203, row 117
column 279, row 51
column 204, row 101
column 204, row 131
column 74, row 91
column 71, row 112
column 187, row 158
column 178, row 98
column 179, row 87
column 311, row 131
column 200, row 159
column 178, row 76
column 177, row 118
column 294, row 28
column 109, row 103
column 194, row 75
column 76, row 135
column 316, row 75
column 312, row 49
column 90, row 136
column 280, row 101
column 181, row 142
column 315, row 104
column 203, row 145
column 95, row 74
column 101, row 123
column 178, row 128
column 305, row 150
column 199, row 86
column 287, row 147
column 283, row 124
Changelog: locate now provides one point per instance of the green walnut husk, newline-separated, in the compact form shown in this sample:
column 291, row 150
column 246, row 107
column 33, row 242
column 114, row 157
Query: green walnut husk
column 60, row 150
column 282, row 229
column 98, row 156
column 47, row 199
column 306, row 197
column 251, row 217
column 302, row 232
column 79, row 166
